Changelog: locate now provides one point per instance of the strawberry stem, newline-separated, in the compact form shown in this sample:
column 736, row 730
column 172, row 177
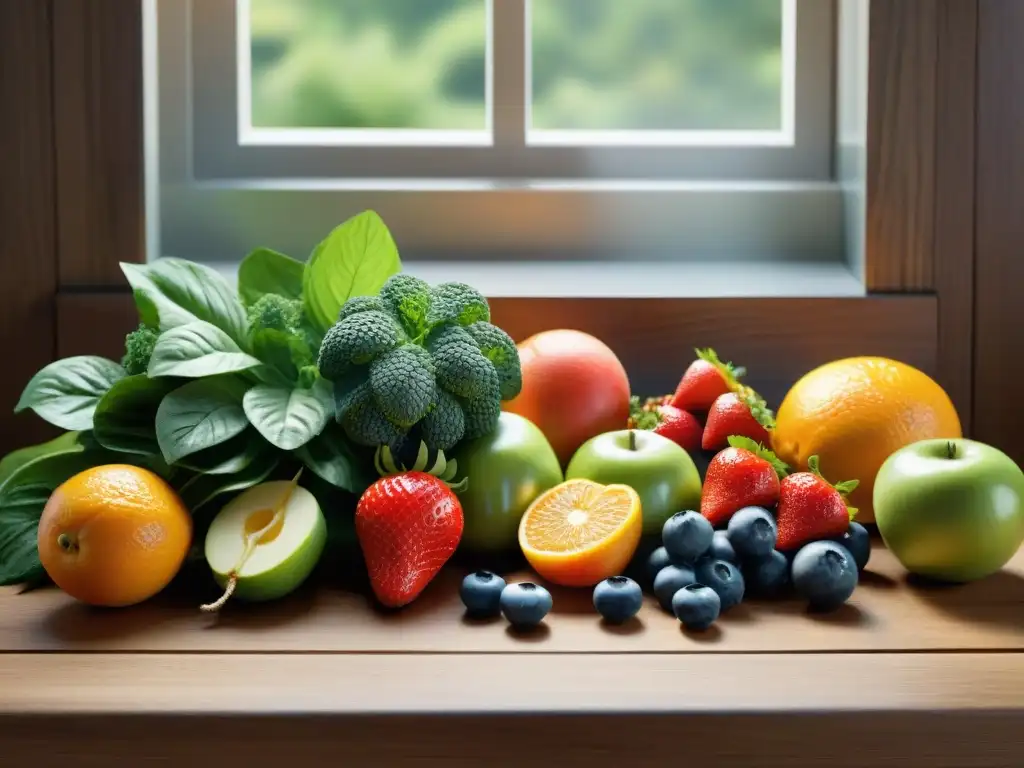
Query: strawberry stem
column 756, row 448
column 845, row 488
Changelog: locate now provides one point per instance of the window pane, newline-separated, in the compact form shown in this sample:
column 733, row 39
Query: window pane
column 407, row 64
column 685, row 65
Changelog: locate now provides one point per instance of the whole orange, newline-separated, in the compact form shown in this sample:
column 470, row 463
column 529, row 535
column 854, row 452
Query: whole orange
column 854, row 413
column 114, row 535
column 574, row 388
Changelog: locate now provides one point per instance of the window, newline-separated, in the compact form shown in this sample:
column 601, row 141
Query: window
column 498, row 129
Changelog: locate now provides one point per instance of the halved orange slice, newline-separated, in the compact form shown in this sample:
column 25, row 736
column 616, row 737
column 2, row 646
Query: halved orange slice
column 581, row 532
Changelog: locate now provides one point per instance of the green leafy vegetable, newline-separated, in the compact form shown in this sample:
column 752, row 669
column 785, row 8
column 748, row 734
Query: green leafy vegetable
column 288, row 418
column 65, row 393
column 329, row 455
column 228, row 457
column 198, row 415
column 266, row 271
column 15, row 460
column 204, row 488
column 282, row 351
column 125, row 418
column 354, row 260
column 197, row 349
column 177, row 292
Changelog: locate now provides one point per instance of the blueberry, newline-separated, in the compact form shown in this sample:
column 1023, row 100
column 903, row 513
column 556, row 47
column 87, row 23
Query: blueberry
column 670, row 580
column 481, row 593
column 696, row 606
column 525, row 604
column 768, row 576
column 618, row 599
column 825, row 574
column 752, row 532
column 722, row 548
column 723, row 577
column 658, row 560
column 687, row 536
column 857, row 541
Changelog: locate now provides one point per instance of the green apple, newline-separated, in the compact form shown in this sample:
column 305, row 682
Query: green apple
column 659, row 470
column 280, row 559
column 950, row 509
column 506, row 470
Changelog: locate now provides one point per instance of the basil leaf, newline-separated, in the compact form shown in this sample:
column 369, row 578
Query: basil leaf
column 125, row 418
column 198, row 415
column 179, row 292
column 195, row 350
column 229, row 457
column 282, row 351
column 354, row 260
column 288, row 417
column 330, row 457
column 15, row 460
column 204, row 488
column 265, row 271
column 22, row 498
column 66, row 392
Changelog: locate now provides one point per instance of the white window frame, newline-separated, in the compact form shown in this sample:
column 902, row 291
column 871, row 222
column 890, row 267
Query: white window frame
column 219, row 187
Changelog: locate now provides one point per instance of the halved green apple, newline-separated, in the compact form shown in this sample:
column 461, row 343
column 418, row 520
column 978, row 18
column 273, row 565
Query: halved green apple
column 265, row 542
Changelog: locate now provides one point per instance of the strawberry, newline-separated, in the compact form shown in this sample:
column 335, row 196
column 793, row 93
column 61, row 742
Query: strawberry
column 746, row 474
column 680, row 427
column 704, row 381
column 408, row 525
column 742, row 413
column 811, row 509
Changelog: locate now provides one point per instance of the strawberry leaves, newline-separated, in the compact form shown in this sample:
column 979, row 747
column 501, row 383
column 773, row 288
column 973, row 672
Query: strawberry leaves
column 731, row 373
column 758, row 407
column 844, row 488
column 756, row 448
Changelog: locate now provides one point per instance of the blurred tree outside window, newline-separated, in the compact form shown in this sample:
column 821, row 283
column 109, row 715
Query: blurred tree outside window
column 683, row 65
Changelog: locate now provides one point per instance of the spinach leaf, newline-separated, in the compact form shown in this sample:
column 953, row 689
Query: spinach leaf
column 199, row 415
column 15, row 460
column 229, row 457
column 125, row 418
column 65, row 392
column 282, row 351
column 174, row 292
column 354, row 260
column 204, row 488
column 330, row 457
column 195, row 350
column 265, row 271
column 289, row 417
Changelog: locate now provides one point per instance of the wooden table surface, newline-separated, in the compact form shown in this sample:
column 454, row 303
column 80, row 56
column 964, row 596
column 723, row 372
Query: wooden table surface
column 922, row 675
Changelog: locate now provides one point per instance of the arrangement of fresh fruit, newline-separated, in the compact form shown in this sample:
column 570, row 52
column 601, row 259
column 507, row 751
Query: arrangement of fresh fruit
column 253, row 419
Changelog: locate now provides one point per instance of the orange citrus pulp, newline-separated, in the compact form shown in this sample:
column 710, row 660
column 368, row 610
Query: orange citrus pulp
column 581, row 532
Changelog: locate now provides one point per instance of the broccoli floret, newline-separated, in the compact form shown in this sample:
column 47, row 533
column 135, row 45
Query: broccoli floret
column 276, row 313
column 426, row 361
column 360, row 304
column 445, row 423
column 364, row 422
column 498, row 347
column 408, row 299
column 482, row 413
column 356, row 340
column 457, row 303
column 462, row 368
column 403, row 385
column 138, row 349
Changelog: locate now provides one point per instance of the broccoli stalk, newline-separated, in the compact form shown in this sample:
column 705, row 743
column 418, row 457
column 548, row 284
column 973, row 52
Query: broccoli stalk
column 419, row 363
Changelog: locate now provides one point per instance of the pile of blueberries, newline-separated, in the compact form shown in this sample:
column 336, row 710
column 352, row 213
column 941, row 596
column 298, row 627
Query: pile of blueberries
column 698, row 573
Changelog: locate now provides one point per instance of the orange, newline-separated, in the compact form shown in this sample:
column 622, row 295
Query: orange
column 114, row 535
column 581, row 532
column 574, row 388
column 854, row 413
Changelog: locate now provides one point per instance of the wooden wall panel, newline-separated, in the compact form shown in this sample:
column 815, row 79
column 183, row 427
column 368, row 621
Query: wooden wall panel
column 653, row 337
column 28, row 279
column 99, row 138
column 999, row 286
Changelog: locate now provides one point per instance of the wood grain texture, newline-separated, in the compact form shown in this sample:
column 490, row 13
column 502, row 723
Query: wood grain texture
column 804, row 739
column 778, row 340
column 27, row 244
column 953, row 253
column 902, row 70
column 885, row 614
column 999, row 308
column 97, row 61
